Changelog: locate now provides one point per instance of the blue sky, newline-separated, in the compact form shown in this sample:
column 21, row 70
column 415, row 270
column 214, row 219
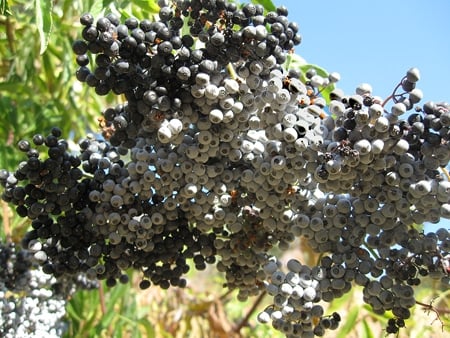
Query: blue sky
column 377, row 42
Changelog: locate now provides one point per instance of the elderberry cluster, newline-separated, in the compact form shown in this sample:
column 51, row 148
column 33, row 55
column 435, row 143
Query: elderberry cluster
column 221, row 152
column 193, row 126
column 32, row 303
column 296, row 295
column 192, row 136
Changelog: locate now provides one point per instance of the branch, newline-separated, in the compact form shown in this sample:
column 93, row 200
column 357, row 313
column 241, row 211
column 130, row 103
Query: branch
column 6, row 223
column 101, row 294
column 244, row 321
column 225, row 295
column 437, row 311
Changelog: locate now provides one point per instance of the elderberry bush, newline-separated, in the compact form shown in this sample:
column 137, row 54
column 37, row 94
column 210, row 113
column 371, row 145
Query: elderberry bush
column 221, row 152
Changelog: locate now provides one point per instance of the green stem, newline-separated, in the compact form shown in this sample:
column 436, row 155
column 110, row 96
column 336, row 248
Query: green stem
column 446, row 173
column 231, row 71
column 371, row 250
column 10, row 34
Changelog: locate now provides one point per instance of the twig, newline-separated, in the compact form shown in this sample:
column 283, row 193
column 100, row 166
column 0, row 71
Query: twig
column 437, row 311
column 6, row 223
column 226, row 294
column 244, row 321
column 386, row 100
column 101, row 294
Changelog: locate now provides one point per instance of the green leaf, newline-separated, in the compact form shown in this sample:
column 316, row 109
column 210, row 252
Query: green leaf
column 367, row 331
column 48, row 70
column 72, row 311
column 341, row 302
column 12, row 86
column 350, row 322
column 106, row 320
column 379, row 318
column 325, row 91
column 4, row 8
column 44, row 21
column 149, row 330
column 294, row 61
column 150, row 6
column 116, row 294
column 267, row 4
column 97, row 8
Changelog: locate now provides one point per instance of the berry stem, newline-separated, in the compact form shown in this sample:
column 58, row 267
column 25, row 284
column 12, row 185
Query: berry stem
column 371, row 250
column 244, row 321
column 231, row 71
column 437, row 311
column 287, row 63
column 386, row 100
column 446, row 173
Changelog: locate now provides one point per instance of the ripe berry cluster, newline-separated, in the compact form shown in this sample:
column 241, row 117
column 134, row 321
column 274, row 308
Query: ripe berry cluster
column 295, row 310
column 32, row 303
column 220, row 153
column 193, row 126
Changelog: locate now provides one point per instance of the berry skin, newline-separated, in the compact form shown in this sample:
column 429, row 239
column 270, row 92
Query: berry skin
column 86, row 19
column 80, row 47
column 413, row 75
